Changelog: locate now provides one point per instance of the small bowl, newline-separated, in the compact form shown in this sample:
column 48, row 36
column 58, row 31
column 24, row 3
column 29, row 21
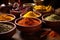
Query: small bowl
column 51, row 24
column 16, row 13
column 4, row 9
column 9, row 33
column 29, row 29
column 57, row 11
column 9, row 15
column 21, row 15
column 44, row 12
column 29, row 4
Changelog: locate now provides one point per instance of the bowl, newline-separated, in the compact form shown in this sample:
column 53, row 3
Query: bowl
column 32, row 16
column 29, row 4
column 38, row 2
column 10, row 33
column 16, row 13
column 29, row 29
column 8, row 18
column 57, row 11
column 43, row 9
column 4, row 9
column 55, row 24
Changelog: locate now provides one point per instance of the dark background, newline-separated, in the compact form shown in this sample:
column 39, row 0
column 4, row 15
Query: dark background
column 54, row 3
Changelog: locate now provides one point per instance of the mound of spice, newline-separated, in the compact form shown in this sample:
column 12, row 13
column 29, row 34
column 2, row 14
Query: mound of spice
column 5, row 27
column 42, row 8
column 5, row 17
column 39, row 7
column 52, row 17
column 31, row 14
column 28, row 22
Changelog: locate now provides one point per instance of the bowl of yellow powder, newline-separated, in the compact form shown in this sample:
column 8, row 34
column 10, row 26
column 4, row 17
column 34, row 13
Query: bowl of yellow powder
column 31, row 14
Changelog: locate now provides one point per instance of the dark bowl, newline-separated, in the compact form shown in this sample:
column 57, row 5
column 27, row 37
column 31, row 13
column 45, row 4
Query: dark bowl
column 9, row 33
column 16, row 13
column 29, row 29
column 9, row 20
column 51, row 24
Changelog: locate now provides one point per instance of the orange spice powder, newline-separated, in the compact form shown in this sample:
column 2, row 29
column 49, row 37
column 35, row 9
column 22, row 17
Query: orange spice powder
column 28, row 22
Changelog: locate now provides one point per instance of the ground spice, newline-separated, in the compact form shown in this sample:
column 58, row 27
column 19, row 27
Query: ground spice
column 5, row 27
column 28, row 22
column 5, row 17
column 52, row 17
column 31, row 14
column 42, row 8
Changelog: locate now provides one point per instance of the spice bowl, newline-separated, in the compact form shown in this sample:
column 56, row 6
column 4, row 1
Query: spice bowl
column 43, row 9
column 54, row 24
column 7, row 17
column 29, row 27
column 16, row 13
column 4, row 32
column 31, row 14
column 29, row 4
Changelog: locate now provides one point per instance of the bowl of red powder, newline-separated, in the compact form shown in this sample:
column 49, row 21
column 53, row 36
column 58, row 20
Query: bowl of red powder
column 28, row 24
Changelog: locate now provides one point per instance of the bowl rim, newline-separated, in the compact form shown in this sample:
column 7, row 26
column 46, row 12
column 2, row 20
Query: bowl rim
column 31, row 4
column 27, row 26
column 9, row 30
column 43, row 18
column 21, row 15
column 14, row 11
column 8, row 20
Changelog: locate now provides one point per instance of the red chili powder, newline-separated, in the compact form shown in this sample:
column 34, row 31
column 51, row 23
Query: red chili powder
column 28, row 22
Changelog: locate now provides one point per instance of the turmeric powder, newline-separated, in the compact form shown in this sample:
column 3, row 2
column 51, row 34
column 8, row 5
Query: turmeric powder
column 32, row 14
column 5, row 17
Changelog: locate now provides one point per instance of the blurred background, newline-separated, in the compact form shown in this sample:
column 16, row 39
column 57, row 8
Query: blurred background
column 54, row 3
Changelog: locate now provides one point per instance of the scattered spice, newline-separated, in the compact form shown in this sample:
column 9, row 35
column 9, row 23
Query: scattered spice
column 52, row 34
